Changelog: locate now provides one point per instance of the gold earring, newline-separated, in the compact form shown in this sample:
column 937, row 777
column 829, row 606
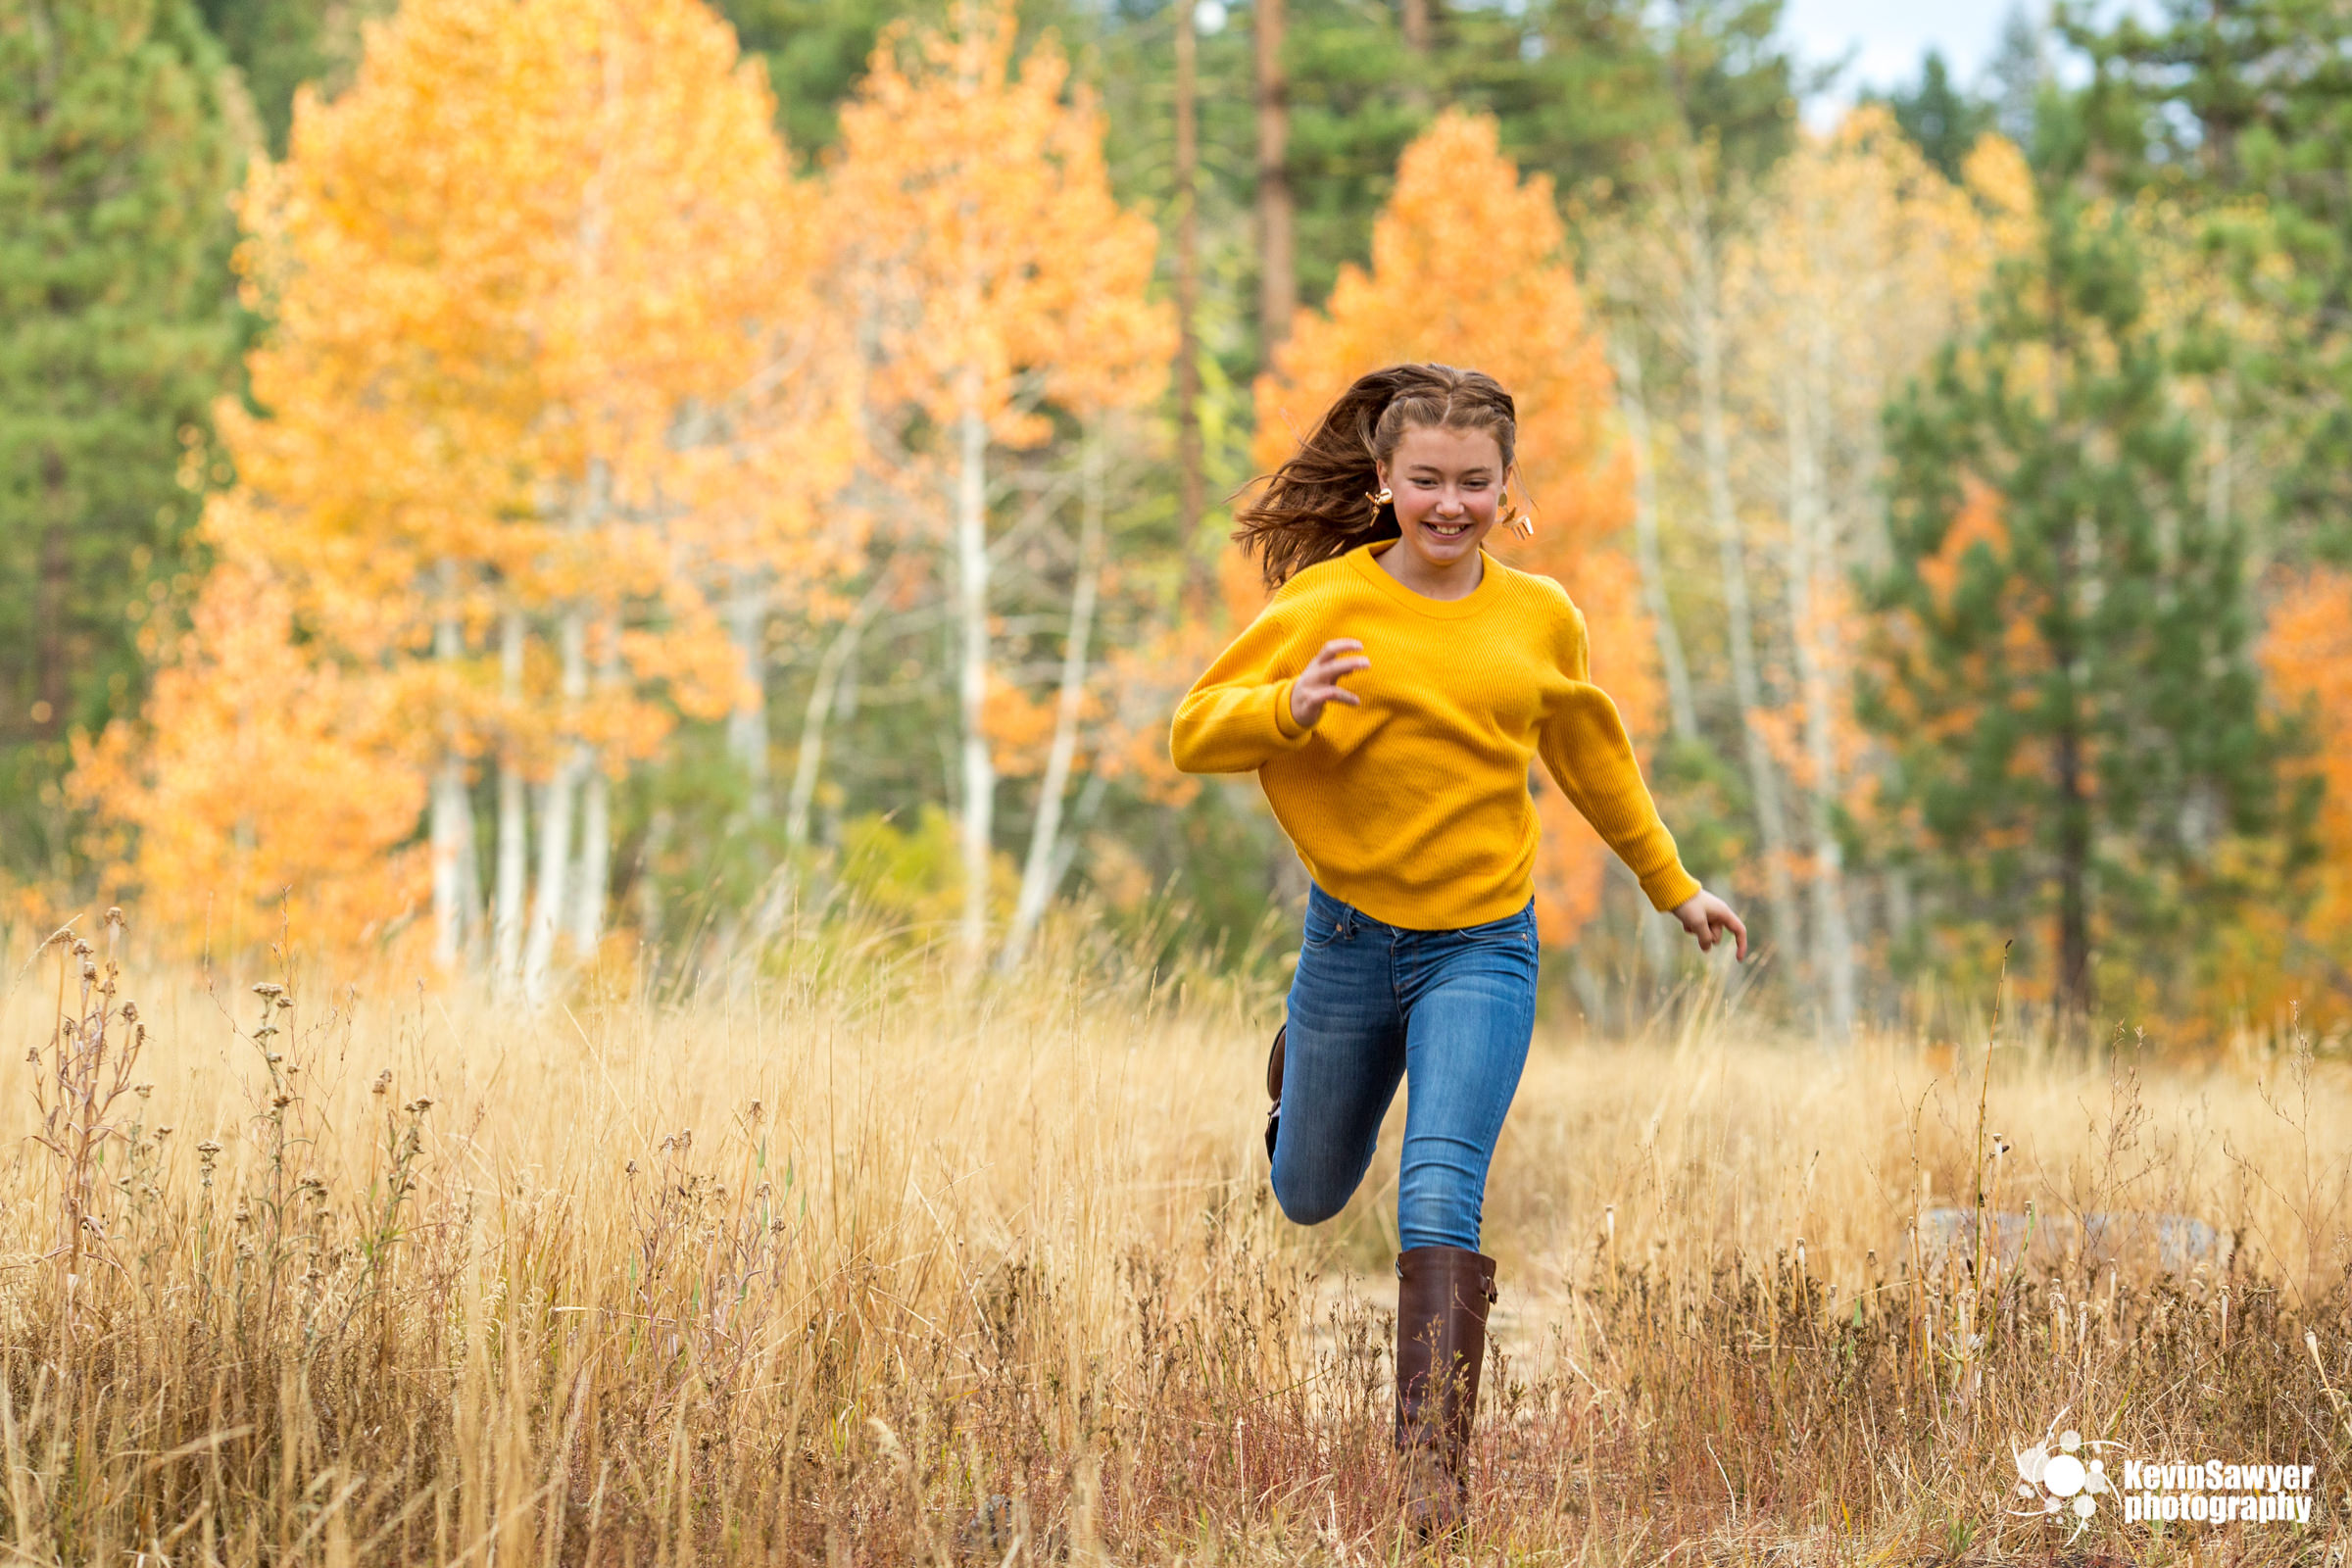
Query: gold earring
column 1384, row 498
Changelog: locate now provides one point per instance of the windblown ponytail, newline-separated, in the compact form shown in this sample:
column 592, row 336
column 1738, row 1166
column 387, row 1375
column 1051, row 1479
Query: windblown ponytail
column 1317, row 505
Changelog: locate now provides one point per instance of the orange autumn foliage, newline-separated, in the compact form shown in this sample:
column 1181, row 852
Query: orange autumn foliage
column 973, row 211
column 500, row 268
column 542, row 342
column 1470, row 268
column 2306, row 657
column 264, row 787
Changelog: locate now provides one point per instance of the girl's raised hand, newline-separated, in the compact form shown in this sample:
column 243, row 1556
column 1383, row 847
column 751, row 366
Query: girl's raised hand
column 1318, row 685
column 1706, row 917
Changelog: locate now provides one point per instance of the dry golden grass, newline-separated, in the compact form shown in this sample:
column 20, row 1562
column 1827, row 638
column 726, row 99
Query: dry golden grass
column 831, row 1260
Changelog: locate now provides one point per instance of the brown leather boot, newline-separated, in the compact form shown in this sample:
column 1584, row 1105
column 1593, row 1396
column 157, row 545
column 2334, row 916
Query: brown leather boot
column 1443, row 1294
column 1274, row 1087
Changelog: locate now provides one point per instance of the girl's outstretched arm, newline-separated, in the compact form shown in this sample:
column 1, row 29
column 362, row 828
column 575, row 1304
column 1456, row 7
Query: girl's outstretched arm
column 1238, row 715
column 1588, row 754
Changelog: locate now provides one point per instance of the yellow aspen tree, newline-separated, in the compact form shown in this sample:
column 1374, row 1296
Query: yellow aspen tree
column 1000, row 280
column 263, row 791
column 1470, row 268
column 505, row 272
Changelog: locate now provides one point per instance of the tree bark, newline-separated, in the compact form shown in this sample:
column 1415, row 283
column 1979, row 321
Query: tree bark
column 1706, row 337
column 512, row 827
column 1682, row 708
column 452, row 811
column 592, row 879
column 595, row 874
column 747, row 724
column 2071, row 991
column 1833, row 935
column 1189, row 480
column 1277, row 255
column 979, row 767
column 1412, row 19
column 556, row 815
column 1038, row 878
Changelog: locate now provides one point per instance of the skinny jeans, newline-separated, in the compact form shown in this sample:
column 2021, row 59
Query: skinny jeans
column 1373, row 1005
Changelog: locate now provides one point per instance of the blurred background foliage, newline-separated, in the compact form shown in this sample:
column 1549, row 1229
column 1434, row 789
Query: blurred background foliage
column 499, row 511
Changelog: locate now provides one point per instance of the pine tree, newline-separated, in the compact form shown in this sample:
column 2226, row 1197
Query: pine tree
column 2239, row 105
column 2063, row 668
column 1941, row 118
column 281, row 47
column 114, row 165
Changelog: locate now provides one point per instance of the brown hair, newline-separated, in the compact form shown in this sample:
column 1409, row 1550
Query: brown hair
column 1314, row 506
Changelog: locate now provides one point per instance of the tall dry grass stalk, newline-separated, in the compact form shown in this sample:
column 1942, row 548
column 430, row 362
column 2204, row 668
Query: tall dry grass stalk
column 833, row 1260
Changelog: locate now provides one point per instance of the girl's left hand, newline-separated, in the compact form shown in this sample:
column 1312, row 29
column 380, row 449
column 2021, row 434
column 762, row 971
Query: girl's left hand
column 1706, row 917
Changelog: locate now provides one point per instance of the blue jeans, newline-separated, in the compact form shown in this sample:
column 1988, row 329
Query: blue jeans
column 1373, row 1003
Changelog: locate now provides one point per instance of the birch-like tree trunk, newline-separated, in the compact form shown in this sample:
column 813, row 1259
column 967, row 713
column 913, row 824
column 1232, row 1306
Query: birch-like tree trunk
column 979, row 767
column 556, row 801
column 1188, row 471
column 1706, row 331
column 1277, row 251
column 1833, row 935
column 454, row 896
column 592, row 879
column 1633, row 403
column 1038, row 878
column 452, row 811
column 746, row 724
column 513, row 815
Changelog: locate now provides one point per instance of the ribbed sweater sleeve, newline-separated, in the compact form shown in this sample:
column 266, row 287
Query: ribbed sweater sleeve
column 1584, row 744
column 1238, row 715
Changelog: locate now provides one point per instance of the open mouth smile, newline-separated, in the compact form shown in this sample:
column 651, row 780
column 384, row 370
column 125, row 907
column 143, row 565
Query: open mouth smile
column 1446, row 530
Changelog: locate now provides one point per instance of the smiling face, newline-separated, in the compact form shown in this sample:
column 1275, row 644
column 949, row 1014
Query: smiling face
column 1445, row 483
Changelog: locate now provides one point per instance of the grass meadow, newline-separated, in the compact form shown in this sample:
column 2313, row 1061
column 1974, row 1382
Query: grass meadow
column 823, row 1255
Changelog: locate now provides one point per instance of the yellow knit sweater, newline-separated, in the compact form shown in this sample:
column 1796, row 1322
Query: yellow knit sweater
column 1415, row 807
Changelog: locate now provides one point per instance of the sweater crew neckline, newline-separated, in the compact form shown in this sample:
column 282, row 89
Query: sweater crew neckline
column 1365, row 559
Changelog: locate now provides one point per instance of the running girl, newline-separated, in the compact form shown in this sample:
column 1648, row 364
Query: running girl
column 1390, row 698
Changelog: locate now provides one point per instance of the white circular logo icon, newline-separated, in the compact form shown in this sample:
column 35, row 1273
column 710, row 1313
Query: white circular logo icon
column 2056, row 1481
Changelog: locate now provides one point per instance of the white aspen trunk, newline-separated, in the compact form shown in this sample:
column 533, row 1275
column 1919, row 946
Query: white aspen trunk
column 595, row 874
column 1081, row 814
column 1706, row 337
column 1682, row 708
column 1038, row 880
column 592, row 878
column 451, row 813
column 979, row 768
column 453, row 849
column 512, row 827
column 747, row 725
column 826, row 697
column 555, row 817
column 1833, row 935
